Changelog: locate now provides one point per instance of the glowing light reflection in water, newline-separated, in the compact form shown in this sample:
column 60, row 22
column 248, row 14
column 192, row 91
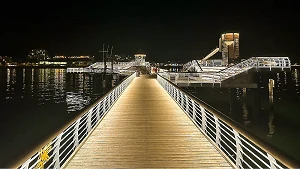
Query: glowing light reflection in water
column 37, row 102
column 275, row 119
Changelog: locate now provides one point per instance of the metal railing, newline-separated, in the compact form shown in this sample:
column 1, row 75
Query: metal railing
column 255, row 62
column 98, row 67
column 217, row 76
column 185, row 77
column 192, row 65
column 57, row 152
column 119, row 65
column 243, row 148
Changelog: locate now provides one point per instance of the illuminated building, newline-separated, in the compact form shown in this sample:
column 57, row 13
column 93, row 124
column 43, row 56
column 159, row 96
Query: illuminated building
column 140, row 58
column 124, row 58
column 5, row 60
column 63, row 60
column 38, row 54
column 229, row 46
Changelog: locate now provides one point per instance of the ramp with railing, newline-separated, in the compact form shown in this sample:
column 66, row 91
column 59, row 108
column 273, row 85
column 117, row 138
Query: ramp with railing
column 218, row 75
column 144, row 129
column 155, row 124
column 241, row 146
column 60, row 148
column 99, row 67
column 258, row 63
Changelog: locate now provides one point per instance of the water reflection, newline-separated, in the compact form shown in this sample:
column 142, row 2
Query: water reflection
column 10, row 81
column 8, row 77
column 285, row 78
column 49, row 85
column 295, row 79
column 271, row 123
column 244, row 107
column 261, row 109
column 43, row 100
column 271, row 126
column 23, row 80
column 75, row 101
column 278, row 82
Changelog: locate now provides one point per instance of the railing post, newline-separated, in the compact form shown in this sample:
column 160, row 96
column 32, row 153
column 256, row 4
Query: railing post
column 166, row 87
column 98, row 112
column 118, row 91
column 177, row 95
column 194, row 110
column 187, row 104
column 104, row 104
column 172, row 92
column 56, row 151
column 76, row 139
column 112, row 97
column 218, row 131
column 203, row 119
column 170, row 89
column 115, row 95
column 272, row 161
column 239, row 150
column 26, row 164
column 182, row 101
column 109, row 100
column 89, row 121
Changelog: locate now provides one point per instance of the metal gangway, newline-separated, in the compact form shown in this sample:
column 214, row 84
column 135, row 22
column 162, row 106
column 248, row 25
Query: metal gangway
column 117, row 65
column 217, row 75
column 195, row 65
column 137, row 125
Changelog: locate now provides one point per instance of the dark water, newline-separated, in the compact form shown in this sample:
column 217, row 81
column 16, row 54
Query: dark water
column 35, row 103
column 277, row 121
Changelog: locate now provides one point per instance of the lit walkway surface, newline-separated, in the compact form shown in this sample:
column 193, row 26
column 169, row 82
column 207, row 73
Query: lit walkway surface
column 146, row 129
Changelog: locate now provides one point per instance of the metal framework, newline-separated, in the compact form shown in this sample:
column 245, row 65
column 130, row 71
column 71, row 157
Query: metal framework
column 219, row 74
column 242, row 148
column 56, row 153
column 99, row 67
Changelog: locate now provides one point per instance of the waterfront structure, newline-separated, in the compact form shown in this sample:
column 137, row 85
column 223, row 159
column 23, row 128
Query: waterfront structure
column 124, row 58
column 38, row 54
column 140, row 57
column 63, row 60
column 5, row 60
column 229, row 46
column 52, row 63
column 199, row 135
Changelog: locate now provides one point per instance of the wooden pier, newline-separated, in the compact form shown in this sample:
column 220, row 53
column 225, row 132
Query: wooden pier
column 147, row 129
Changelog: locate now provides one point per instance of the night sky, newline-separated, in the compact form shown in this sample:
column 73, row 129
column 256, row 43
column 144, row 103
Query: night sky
column 165, row 31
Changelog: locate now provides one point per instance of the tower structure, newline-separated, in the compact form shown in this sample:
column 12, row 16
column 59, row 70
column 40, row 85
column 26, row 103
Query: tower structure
column 229, row 46
column 140, row 57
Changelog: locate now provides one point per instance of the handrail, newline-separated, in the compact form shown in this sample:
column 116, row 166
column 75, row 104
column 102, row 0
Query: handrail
column 254, row 62
column 241, row 146
column 59, row 149
column 219, row 76
column 98, row 67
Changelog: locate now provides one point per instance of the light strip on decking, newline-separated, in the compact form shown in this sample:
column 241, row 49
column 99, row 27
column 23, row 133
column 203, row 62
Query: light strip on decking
column 146, row 129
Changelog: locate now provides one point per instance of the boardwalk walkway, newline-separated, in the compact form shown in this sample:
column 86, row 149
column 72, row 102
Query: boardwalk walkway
column 146, row 129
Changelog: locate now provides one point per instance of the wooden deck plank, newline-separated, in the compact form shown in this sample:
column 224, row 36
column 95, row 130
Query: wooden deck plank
column 146, row 129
